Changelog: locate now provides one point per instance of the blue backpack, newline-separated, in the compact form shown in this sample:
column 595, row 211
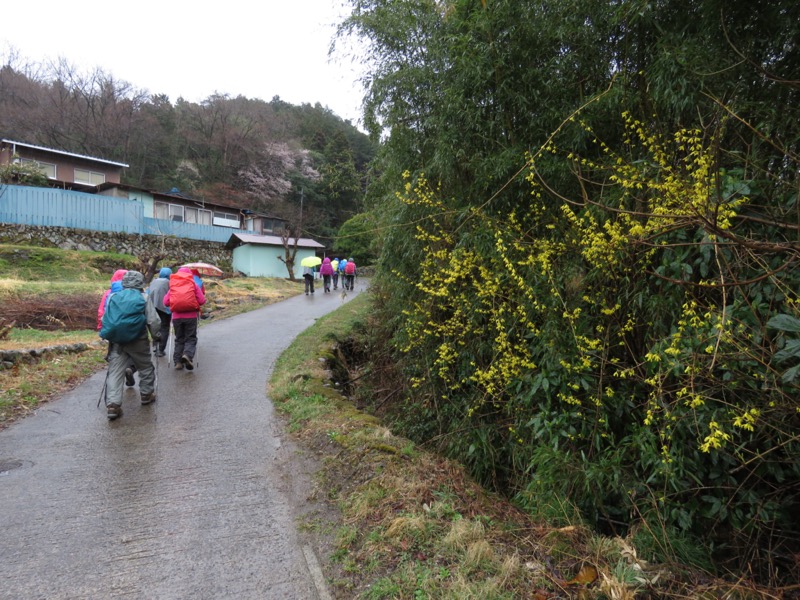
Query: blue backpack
column 124, row 319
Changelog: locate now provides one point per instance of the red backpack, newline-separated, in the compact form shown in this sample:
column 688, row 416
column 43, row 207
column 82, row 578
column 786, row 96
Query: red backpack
column 181, row 293
column 350, row 268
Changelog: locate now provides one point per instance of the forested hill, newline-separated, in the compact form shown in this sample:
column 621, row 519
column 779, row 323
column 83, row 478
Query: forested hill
column 234, row 150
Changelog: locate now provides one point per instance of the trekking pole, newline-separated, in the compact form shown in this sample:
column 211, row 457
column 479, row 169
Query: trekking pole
column 170, row 345
column 105, row 383
column 196, row 347
column 154, row 359
column 103, row 391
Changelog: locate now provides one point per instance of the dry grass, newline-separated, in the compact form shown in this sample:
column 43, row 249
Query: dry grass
column 232, row 296
column 31, row 339
column 25, row 387
column 415, row 525
column 463, row 533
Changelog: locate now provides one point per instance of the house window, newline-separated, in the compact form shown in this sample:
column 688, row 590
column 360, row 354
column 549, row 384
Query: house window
column 89, row 177
column 168, row 212
column 176, row 212
column 225, row 219
column 186, row 214
column 48, row 169
column 198, row 215
column 161, row 210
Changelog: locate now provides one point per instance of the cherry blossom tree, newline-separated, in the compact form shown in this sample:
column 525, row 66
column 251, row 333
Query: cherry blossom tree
column 272, row 180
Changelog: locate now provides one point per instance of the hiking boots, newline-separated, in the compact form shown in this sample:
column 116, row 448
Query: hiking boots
column 148, row 398
column 113, row 411
column 129, row 377
column 187, row 362
column 160, row 353
column 179, row 366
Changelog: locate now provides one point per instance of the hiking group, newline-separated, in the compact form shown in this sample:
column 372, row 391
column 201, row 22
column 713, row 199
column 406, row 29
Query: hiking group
column 331, row 271
column 125, row 316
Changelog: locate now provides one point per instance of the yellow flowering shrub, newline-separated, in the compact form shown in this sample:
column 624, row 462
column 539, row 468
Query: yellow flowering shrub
column 614, row 344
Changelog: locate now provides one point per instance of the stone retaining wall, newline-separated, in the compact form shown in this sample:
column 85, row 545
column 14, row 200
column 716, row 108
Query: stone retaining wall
column 8, row 358
column 176, row 250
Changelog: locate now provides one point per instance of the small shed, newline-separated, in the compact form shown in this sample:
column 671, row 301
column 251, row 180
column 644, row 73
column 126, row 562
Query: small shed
column 260, row 255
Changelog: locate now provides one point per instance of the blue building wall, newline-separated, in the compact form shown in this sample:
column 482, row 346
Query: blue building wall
column 262, row 261
column 50, row 207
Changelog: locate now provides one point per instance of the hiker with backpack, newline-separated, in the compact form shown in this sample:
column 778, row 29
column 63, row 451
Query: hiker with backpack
column 349, row 274
column 326, row 270
column 127, row 318
column 335, row 267
column 184, row 299
column 341, row 269
column 115, row 278
column 158, row 289
column 116, row 286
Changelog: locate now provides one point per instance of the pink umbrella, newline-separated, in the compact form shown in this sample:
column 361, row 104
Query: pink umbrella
column 205, row 269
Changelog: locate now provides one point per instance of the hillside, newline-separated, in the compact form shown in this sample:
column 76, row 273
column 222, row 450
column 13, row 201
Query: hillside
column 240, row 152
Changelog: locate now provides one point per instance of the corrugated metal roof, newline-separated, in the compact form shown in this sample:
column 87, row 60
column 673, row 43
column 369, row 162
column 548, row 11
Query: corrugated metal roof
column 94, row 158
column 157, row 195
column 270, row 240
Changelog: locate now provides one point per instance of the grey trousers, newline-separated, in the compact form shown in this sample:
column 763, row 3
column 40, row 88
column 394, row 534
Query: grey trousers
column 119, row 356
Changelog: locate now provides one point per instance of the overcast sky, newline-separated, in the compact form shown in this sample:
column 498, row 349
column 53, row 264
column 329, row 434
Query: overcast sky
column 195, row 49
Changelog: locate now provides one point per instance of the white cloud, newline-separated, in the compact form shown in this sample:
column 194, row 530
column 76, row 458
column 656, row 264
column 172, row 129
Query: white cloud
column 190, row 49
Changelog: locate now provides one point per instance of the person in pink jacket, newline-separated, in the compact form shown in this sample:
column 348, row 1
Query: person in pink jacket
column 101, row 309
column 116, row 286
column 185, row 316
column 326, row 270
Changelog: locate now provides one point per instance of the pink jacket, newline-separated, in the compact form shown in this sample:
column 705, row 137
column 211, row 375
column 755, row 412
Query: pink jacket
column 326, row 268
column 117, row 276
column 198, row 293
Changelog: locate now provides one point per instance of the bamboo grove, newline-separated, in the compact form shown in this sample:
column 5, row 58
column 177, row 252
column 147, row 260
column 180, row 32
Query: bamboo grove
column 588, row 285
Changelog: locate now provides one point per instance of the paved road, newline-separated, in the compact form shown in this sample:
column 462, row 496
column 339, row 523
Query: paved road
column 186, row 498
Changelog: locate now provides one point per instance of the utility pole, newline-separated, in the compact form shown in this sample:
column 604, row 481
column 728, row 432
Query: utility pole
column 300, row 225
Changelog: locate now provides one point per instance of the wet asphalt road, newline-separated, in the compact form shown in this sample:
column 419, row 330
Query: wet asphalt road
column 190, row 497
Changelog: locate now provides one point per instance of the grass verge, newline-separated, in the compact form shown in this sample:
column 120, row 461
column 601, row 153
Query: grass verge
column 25, row 387
column 413, row 525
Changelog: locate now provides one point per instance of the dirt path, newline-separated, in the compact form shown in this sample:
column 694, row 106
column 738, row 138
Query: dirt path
column 195, row 496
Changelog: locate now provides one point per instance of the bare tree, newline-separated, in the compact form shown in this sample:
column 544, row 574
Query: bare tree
column 290, row 237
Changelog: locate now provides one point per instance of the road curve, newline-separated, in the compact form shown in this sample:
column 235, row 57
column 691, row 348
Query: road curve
column 190, row 497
